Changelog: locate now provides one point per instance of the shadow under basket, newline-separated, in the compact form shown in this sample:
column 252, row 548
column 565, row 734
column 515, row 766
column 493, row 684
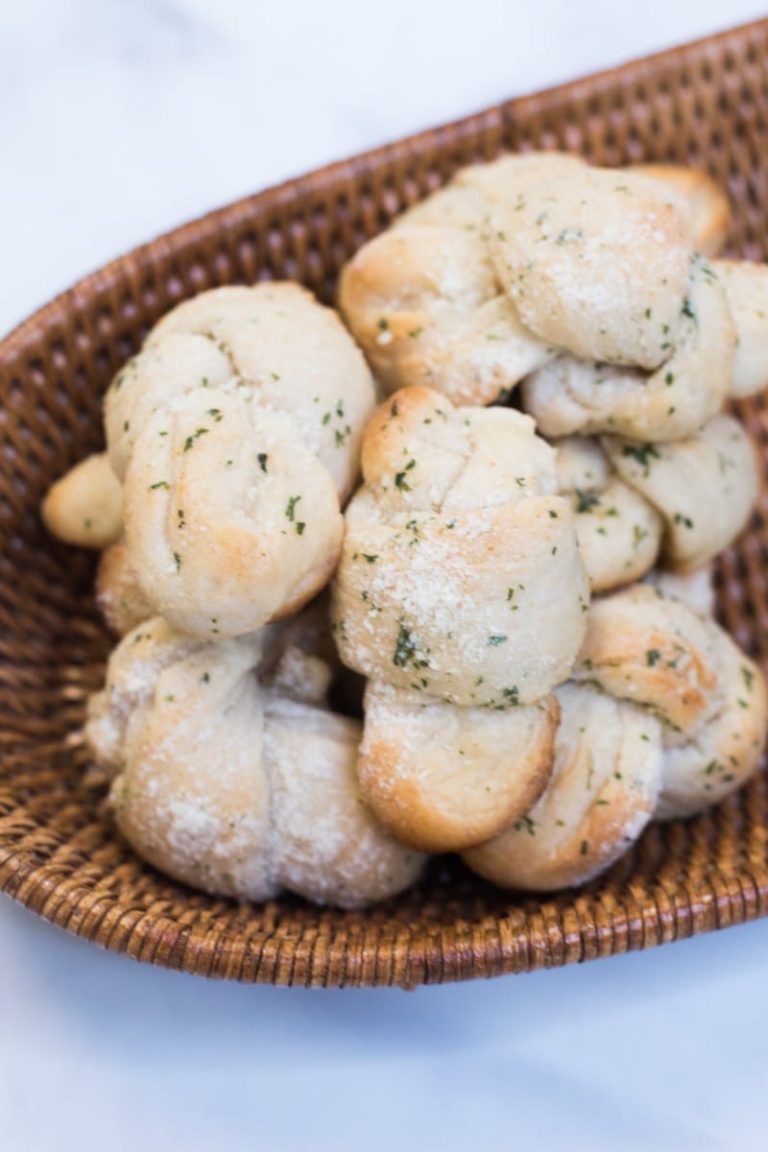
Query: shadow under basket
column 705, row 104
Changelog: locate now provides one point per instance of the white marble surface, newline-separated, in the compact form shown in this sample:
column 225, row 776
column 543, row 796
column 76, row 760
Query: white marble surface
column 119, row 118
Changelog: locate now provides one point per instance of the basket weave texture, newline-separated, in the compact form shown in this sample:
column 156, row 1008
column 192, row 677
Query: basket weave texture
column 705, row 104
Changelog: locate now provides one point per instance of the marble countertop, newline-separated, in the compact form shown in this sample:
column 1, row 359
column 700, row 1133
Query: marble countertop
column 118, row 119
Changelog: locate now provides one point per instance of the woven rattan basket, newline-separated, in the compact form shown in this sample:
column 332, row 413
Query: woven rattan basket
column 706, row 104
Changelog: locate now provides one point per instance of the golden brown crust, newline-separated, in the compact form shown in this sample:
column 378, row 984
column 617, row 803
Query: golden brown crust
column 642, row 646
column 678, row 664
column 442, row 778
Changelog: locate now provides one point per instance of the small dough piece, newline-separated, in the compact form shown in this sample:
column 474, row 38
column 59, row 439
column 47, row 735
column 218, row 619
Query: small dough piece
column 424, row 305
column 230, row 521
column 705, row 487
column 607, row 773
column 695, row 588
column 728, row 750
column 707, row 207
column 119, row 596
column 442, row 778
column 619, row 532
column 596, row 263
column 746, row 287
column 574, row 396
column 276, row 341
column 85, row 507
column 235, row 791
column 460, row 574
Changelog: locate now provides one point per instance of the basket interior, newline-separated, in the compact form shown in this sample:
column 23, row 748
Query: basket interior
column 706, row 105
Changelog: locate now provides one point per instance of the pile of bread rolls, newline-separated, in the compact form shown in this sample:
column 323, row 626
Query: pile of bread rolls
column 526, row 593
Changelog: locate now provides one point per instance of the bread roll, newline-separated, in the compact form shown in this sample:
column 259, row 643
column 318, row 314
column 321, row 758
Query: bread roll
column 467, row 201
column 328, row 846
column 453, row 207
column 234, row 791
column 682, row 667
column 276, row 341
column 654, row 651
column 133, row 671
column 163, row 372
column 192, row 798
column 729, row 748
column 460, row 574
column 515, row 174
column 664, row 715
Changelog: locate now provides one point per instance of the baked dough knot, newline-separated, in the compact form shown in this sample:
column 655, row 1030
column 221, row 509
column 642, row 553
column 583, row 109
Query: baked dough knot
column 236, row 431
column 663, row 716
column 461, row 595
column 228, row 779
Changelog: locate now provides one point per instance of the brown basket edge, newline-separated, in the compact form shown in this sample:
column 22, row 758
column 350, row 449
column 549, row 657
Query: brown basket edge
column 403, row 963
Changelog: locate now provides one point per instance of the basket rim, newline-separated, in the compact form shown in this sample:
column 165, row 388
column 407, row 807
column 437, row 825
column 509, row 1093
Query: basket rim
column 441, row 953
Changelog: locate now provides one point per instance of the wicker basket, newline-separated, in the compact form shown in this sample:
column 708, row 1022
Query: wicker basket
column 706, row 104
